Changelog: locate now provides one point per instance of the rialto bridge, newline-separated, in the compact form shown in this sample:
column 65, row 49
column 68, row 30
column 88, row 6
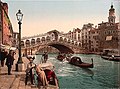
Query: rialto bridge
column 49, row 41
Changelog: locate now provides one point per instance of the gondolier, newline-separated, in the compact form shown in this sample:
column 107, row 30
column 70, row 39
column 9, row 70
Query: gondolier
column 45, row 57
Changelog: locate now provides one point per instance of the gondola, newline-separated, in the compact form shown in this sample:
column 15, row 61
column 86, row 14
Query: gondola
column 61, row 57
column 50, row 75
column 110, row 58
column 77, row 62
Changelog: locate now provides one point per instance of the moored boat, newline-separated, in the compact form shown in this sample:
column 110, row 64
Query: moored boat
column 61, row 57
column 111, row 54
column 111, row 58
column 50, row 75
column 77, row 62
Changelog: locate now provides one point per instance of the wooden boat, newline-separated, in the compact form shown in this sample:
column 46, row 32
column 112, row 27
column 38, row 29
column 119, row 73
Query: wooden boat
column 110, row 58
column 61, row 57
column 48, row 68
column 64, row 57
column 77, row 62
column 50, row 75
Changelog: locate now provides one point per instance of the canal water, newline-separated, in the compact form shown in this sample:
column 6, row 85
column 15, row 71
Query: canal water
column 104, row 75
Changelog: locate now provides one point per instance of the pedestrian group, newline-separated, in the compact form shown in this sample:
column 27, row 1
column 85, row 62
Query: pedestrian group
column 9, row 57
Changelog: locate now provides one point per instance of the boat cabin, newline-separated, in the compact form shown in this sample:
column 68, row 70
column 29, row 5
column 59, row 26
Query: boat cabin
column 76, row 60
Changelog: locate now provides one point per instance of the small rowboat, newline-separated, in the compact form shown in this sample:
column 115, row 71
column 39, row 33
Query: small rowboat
column 50, row 75
column 110, row 58
column 47, row 69
column 61, row 57
column 77, row 62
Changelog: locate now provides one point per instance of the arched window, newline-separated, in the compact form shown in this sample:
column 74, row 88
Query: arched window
column 27, row 43
column 72, row 42
column 69, row 41
column 22, row 43
column 43, row 39
column 76, row 43
column 65, row 40
column 38, row 40
column 47, row 38
column 32, row 41
column 79, row 44
column 61, row 39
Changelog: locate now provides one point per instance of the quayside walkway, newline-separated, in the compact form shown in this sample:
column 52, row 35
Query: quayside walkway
column 17, row 79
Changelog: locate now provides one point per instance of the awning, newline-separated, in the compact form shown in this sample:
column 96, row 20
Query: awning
column 108, row 38
column 12, row 48
column 2, row 46
column 7, row 47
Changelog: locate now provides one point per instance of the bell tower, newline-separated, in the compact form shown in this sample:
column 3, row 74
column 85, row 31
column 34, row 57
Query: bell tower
column 111, row 18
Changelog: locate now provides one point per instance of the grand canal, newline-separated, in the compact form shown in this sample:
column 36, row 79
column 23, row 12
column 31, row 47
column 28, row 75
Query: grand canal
column 104, row 75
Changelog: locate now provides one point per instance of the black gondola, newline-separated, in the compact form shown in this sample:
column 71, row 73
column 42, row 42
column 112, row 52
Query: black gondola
column 77, row 62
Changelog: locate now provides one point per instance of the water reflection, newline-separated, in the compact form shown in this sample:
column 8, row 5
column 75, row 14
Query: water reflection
column 89, row 72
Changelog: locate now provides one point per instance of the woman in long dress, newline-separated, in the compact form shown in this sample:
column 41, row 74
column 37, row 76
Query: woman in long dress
column 42, row 80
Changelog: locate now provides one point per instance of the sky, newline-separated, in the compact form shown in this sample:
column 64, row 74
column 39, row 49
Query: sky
column 41, row 16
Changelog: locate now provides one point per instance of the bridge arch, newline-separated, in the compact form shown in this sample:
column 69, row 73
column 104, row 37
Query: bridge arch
column 32, row 41
column 27, row 43
column 48, row 38
column 61, row 47
column 43, row 39
column 61, row 39
column 38, row 40
column 22, row 44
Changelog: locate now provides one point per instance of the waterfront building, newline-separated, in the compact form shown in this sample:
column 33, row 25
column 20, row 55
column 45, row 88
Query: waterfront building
column 0, row 24
column 93, row 41
column 75, row 34
column 108, row 34
column 86, row 34
column 15, row 39
column 6, row 30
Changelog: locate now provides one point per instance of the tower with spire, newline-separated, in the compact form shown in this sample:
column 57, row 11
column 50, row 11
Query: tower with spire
column 111, row 18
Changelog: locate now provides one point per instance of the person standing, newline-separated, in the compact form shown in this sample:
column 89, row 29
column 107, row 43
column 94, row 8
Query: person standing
column 29, row 70
column 9, row 61
column 3, row 56
column 45, row 55
column 0, row 56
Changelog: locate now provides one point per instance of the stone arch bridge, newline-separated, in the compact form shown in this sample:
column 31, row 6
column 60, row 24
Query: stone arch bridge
column 63, row 44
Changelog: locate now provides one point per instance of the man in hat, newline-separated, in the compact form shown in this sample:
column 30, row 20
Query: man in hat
column 29, row 71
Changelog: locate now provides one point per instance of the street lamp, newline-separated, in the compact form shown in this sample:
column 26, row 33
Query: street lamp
column 19, row 65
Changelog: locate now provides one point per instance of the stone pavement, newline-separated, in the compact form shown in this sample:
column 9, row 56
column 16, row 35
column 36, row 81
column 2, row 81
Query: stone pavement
column 14, row 81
